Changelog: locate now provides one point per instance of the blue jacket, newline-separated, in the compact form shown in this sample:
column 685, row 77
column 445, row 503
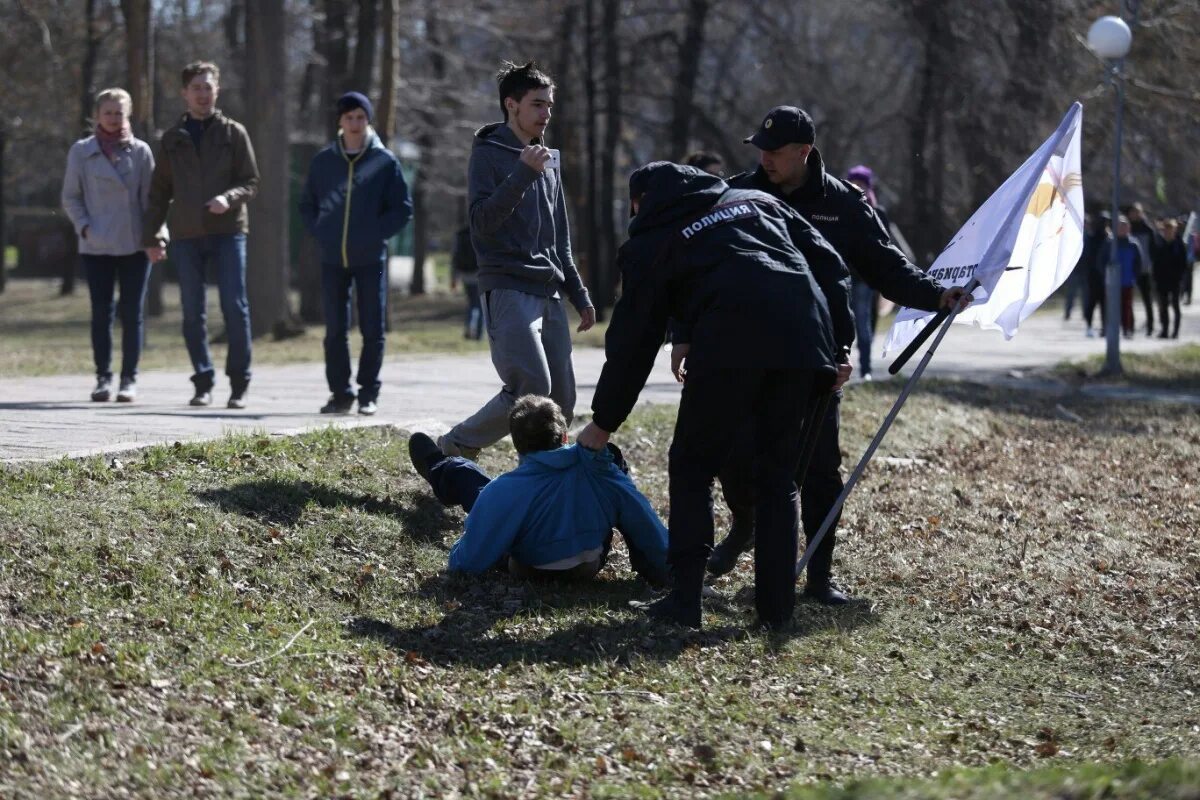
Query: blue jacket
column 556, row 504
column 354, row 204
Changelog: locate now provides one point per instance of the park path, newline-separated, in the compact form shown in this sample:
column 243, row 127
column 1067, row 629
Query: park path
column 48, row 417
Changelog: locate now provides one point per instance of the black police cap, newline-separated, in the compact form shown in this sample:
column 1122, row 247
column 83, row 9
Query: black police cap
column 784, row 125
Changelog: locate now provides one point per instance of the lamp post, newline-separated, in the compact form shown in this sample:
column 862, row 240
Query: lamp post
column 1110, row 38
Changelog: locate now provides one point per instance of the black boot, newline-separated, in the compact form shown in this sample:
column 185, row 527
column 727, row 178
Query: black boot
column 825, row 592
column 740, row 539
column 682, row 605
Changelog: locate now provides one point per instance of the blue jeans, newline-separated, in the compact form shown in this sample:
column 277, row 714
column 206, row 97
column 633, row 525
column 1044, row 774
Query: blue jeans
column 371, row 289
column 132, row 272
column 228, row 253
column 863, row 298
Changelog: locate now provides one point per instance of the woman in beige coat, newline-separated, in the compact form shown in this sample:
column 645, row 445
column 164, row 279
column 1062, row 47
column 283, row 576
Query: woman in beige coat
column 104, row 193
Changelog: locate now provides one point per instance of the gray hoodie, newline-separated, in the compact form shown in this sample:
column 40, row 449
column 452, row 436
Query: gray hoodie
column 519, row 221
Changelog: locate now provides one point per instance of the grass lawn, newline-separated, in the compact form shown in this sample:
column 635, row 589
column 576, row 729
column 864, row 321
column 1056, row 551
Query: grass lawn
column 1173, row 368
column 270, row 616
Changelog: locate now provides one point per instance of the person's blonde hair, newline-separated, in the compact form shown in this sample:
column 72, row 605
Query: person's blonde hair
column 120, row 95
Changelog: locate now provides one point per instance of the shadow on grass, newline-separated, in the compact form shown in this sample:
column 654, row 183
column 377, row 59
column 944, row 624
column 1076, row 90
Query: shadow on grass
column 529, row 618
column 283, row 502
column 1036, row 400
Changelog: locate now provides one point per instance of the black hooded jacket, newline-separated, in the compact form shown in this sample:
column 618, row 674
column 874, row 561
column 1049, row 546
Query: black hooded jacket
column 842, row 214
column 730, row 266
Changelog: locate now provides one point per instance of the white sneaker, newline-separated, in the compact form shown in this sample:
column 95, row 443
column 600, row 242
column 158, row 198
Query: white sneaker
column 1091, row 333
column 128, row 391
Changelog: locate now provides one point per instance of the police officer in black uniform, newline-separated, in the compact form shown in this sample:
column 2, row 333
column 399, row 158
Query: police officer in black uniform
column 790, row 169
column 764, row 303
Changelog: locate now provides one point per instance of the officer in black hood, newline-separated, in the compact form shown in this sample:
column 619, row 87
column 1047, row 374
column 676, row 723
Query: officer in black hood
column 791, row 171
column 764, row 302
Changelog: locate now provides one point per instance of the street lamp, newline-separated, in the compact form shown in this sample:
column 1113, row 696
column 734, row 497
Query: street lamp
column 1110, row 38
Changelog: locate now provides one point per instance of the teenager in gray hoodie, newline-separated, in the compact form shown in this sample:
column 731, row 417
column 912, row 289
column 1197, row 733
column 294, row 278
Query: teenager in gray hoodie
column 518, row 219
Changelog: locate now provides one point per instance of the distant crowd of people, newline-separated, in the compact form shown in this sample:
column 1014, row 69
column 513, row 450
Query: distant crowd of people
column 1156, row 260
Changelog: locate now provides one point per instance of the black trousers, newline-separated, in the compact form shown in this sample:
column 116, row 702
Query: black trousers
column 820, row 488
column 713, row 415
column 1145, row 288
column 1093, row 298
column 1168, row 300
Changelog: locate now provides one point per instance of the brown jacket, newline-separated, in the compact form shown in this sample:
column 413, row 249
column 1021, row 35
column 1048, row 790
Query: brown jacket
column 185, row 180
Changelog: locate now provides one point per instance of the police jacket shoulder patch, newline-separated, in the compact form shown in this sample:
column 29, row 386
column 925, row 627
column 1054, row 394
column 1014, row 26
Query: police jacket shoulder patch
column 719, row 215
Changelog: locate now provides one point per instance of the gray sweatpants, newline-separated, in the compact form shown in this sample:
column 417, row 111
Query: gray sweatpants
column 530, row 339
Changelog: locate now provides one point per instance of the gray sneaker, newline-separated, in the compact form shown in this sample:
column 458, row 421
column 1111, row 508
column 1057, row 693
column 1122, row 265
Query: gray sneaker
column 368, row 408
column 452, row 448
column 103, row 390
column 128, row 391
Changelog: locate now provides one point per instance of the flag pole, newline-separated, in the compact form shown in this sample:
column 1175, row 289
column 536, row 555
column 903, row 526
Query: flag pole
column 875, row 442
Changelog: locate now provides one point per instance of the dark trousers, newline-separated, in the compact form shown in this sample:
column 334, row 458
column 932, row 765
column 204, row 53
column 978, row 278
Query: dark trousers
column 1145, row 288
column 863, row 299
column 774, row 402
column 473, row 323
column 1168, row 299
column 1127, row 310
column 371, row 290
column 458, row 481
column 1093, row 298
column 104, row 273
column 820, row 488
column 227, row 252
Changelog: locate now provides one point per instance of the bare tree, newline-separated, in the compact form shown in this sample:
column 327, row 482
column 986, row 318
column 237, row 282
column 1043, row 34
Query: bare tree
column 605, row 276
column 3, row 240
column 139, row 66
column 389, row 70
column 267, row 123
column 690, row 51
column 426, row 140
column 366, row 29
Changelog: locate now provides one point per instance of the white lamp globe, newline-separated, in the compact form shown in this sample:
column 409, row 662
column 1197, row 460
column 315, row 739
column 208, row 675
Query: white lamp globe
column 1109, row 37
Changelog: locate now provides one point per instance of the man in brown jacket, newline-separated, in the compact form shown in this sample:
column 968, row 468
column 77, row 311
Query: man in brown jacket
column 204, row 177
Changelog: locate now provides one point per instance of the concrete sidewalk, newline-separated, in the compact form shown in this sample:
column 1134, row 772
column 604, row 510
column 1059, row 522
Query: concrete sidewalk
column 45, row 418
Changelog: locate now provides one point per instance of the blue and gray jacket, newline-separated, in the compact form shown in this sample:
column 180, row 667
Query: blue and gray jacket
column 519, row 221
column 353, row 204
column 554, row 505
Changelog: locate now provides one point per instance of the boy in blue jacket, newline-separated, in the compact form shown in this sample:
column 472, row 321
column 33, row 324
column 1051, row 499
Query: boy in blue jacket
column 552, row 516
column 354, row 200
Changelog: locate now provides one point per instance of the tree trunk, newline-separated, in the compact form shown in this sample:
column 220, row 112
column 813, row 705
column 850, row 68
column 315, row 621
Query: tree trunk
column 87, row 70
column 139, row 64
column 87, row 89
column 330, row 47
column 926, row 132
column 595, row 272
column 426, row 140
column 337, row 60
column 389, row 72
column 685, row 86
column 3, row 213
column 267, row 123
column 606, row 283
column 567, row 128
column 367, row 31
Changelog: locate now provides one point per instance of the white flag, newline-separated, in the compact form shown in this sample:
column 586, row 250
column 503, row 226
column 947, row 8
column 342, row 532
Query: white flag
column 1021, row 244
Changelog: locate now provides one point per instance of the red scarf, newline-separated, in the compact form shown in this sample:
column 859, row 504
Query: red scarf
column 109, row 142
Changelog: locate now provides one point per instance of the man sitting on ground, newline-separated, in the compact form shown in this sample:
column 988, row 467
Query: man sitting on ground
column 553, row 515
